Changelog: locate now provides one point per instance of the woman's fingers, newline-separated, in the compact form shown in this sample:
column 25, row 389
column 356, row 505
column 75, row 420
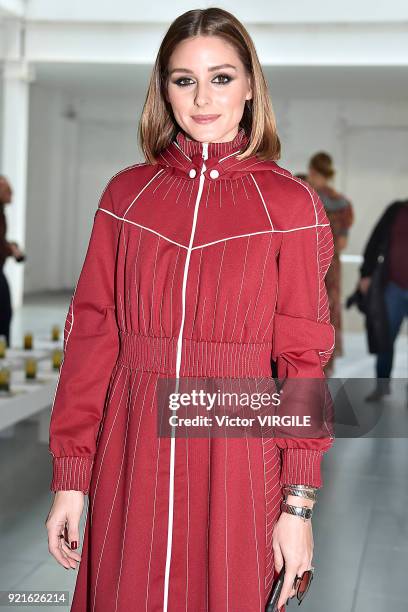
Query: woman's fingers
column 287, row 588
column 278, row 557
column 71, row 539
column 63, row 520
column 64, row 554
column 72, row 534
column 71, row 556
column 292, row 592
column 54, row 545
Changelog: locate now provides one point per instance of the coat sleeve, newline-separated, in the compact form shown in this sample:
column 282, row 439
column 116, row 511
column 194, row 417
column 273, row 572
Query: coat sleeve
column 90, row 349
column 303, row 338
column 375, row 243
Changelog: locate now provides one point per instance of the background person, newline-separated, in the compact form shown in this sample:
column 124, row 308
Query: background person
column 7, row 249
column 384, row 283
column 340, row 213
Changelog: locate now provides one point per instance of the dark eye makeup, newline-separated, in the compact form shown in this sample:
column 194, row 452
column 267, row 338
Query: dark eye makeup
column 180, row 82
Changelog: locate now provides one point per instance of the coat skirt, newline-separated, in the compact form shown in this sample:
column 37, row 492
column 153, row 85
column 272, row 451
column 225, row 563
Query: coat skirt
column 201, row 265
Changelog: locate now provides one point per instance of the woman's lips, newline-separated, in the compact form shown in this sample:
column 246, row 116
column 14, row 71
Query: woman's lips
column 205, row 118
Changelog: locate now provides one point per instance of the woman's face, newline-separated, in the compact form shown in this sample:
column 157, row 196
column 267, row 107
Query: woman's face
column 317, row 180
column 206, row 77
column 5, row 191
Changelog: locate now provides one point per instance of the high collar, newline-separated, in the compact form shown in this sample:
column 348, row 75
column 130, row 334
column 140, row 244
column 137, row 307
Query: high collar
column 215, row 149
column 184, row 158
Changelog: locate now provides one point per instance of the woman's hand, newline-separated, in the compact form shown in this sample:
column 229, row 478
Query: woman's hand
column 17, row 252
column 364, row 284
column 341, row 243
column 292, row 541
column 63, row 519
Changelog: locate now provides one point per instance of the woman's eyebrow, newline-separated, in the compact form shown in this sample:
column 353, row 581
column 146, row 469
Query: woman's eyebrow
column 211, row 69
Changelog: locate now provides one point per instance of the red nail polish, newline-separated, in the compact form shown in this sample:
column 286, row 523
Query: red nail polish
column 74, row 545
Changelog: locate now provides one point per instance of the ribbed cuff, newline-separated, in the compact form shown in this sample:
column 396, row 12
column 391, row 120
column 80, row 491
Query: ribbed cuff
column 301, row 466
column 71, row 473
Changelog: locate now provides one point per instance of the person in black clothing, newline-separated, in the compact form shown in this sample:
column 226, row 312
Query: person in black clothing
column 387, row 248
column 6, row 249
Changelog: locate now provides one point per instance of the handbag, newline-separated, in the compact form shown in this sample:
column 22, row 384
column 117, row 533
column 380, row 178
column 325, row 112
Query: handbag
column 272, row 605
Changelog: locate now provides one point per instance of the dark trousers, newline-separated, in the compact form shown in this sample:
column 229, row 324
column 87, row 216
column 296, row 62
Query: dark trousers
column 5, row 307
column 396, row 300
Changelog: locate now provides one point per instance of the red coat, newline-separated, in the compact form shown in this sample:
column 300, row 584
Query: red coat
column 195, row 267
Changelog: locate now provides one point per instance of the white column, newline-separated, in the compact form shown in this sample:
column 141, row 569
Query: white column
column 16, row 76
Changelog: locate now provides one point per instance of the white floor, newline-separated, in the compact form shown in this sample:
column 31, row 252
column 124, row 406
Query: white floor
column 360, row 523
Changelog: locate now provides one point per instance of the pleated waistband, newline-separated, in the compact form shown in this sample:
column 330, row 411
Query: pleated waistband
column 198, row 357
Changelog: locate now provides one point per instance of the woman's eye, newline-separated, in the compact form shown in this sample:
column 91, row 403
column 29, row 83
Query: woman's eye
column 180, row 82
column 185, row 81
column 224, row 76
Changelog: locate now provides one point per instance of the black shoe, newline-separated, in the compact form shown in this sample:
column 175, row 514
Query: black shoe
column 375, row 395
column 382, row 388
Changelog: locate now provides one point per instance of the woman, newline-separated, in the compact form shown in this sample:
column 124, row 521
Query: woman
column 386, row 298
column 7, row 249
column 341, row 216
column 182, row 279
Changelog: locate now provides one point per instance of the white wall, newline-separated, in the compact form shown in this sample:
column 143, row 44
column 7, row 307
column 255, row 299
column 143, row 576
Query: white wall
column 45, row 203
column 70, row 160
column 11, row 7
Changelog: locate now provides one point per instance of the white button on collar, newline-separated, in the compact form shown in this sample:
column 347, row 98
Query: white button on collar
column 214, row 173
column 192, row 172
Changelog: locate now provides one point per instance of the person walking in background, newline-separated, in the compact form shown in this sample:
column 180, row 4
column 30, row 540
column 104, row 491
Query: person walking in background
column 340, row 213
column 384, row 285
column 6, row 249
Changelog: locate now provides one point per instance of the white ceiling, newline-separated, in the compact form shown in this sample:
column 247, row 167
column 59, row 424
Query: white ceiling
column 287, row 81
column 256, row 11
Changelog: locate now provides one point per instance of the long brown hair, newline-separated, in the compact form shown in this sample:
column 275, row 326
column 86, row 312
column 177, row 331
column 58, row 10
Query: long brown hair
column 158, row 127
